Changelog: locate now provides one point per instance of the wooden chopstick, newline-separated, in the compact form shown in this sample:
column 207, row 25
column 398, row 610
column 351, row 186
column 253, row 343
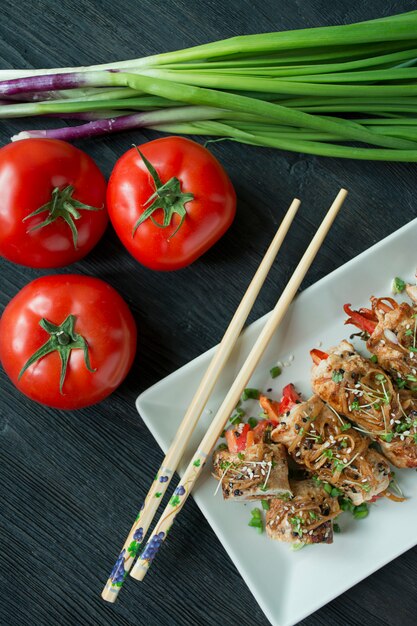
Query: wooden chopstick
column 209, row 440
column 179, row 444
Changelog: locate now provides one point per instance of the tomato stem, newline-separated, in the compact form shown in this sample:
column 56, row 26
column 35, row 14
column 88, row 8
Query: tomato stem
column 63, row 339
column 63, row 205
column 167, row 196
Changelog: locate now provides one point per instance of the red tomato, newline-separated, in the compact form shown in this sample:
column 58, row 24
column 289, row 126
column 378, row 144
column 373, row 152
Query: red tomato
column 259, row 430
column 100, row 347
column 174, row 236
column 236, row 437
column 34, row 172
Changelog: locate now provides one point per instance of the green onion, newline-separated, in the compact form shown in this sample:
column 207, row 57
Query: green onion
column 275, row 371
column 337, row 376
column 256, row 521
column 361, row 511
column 336, row 527
column 265, row 505
column 252, row 421
column 291, row 90
column 397, row 285
column 373, row 358
column 250, row 393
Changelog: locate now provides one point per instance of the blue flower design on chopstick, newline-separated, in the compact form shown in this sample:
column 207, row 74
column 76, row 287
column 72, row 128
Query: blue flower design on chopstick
column 152, row 547
column 138, row 534
column 118, row 573
column 163, row 479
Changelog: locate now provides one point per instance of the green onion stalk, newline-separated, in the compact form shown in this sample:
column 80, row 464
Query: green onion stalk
column 340, row 91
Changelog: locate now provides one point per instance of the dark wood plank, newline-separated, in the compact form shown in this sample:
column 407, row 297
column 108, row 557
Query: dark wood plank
column 71, row 482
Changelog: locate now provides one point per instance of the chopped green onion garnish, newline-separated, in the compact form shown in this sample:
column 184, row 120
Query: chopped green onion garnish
column 345, row 427
column 275, row 371
column 337, row 375
column 387, row 437
column 250, row 393
column 252, row 421
column 256, row 521
column 336, row 527
column 265, row 505
column 327, row 488
column 373, row 358
column 361, row 511
column 397, row 285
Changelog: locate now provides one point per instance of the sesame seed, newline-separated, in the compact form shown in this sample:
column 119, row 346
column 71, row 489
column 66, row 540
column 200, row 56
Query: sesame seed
column 398, row 421
column 319, row 344
column 286, row 364
column 408, row 327
column 382, row 342
column 291, row 358
column 402, row 437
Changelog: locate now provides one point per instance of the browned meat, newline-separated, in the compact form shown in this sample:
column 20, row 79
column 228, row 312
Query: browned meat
column 326, row 444
column 362, row 391
column 261, row 471
column 306, row 518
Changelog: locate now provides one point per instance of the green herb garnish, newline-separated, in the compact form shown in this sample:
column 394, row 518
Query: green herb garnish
column 250, row 394
column 373, row 358
column 337, row 375
column 275, row 371
column 265, row 505
column 252, row 421
column 336, row 527
column 398, row 285
column 361, row 511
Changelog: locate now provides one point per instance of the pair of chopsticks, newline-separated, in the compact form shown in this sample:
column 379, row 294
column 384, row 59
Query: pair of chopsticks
column 126, row 560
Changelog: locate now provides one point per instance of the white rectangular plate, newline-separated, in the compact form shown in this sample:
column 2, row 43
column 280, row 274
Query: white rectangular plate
column 272, row 571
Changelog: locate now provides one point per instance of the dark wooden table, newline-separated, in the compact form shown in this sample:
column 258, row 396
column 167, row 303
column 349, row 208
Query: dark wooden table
column 71, row 482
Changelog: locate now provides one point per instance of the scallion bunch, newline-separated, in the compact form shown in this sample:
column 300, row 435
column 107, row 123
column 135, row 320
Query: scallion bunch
column 344, row 91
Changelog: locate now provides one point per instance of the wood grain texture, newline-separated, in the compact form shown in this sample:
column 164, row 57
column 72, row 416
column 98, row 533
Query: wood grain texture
column 69, row 479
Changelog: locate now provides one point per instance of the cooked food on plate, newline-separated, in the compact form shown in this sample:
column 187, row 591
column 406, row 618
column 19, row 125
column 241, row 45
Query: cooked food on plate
column 309, row 459
column 306, row 518
column 392, row 329
column 320, row 440
column 257, row 472
column 362, row 391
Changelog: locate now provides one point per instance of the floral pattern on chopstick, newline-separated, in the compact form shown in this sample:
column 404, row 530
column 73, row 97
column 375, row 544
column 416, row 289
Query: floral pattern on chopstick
column 164, row 525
